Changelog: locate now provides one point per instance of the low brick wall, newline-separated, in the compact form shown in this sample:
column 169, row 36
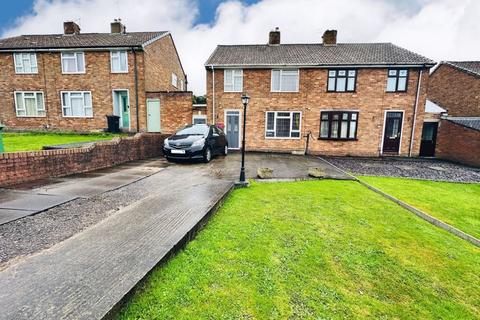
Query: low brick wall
column 458, row 143
column 18, row 167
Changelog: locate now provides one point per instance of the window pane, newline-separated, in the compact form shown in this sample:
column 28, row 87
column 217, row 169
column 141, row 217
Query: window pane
column 334, row 133
column 324, row 129
column 354, row 116
column 342, row 73
column 30, row 106
column 351, row 73
column 345, row 116
column 402, row 73
column 88, row 99
column 283, row 127
column 65, row 99
column 351, row 84
column 402, row 84
column 88, row 112
column 324, row 116
column 331, row 73
column 353, row 126
column 123, row 61
column 341, row 84
column 40, row 101
column 270, row 120
column 296, row 121
column 391, row 84
column 69, row 65
column 238, row 80
column 343, row 130
column 392, row 72
column 80, row 62
column 18, row 97
column 77, row 106
column 276, row 80
column 228, row 83
column 270, row 134
column 295, row 134
column 289, row 81
column 331, row 84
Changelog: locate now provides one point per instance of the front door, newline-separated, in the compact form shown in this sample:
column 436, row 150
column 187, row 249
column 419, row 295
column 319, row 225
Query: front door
column 153, row 115
column 125, row 109
column 393, row 132
column 232, row 128
column 429, row 139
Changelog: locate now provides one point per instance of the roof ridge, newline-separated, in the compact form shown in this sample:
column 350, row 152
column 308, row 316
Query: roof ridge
column 299, row 44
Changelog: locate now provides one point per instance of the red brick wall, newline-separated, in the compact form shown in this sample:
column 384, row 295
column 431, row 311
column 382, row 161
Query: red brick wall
column 175, row 109
column 370, row 99
column 17, row 167
column 456, row 91
column 458, row 143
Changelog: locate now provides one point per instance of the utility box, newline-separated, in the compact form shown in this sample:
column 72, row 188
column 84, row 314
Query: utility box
column 1, row 138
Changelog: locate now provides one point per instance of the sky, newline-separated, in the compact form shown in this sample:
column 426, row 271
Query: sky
column 437, row 29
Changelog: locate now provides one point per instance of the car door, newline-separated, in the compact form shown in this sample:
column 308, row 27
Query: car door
column 217, row 140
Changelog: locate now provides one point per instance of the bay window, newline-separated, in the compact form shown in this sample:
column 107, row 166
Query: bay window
column 282, row 124
column 338, row 125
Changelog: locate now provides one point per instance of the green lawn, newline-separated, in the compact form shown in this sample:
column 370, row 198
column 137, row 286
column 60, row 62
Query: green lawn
column 35, row 141
column 457, row 204
column 314, row 250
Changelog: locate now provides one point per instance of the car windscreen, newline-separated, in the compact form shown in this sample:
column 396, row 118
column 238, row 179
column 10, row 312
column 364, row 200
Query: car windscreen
column 193, row 130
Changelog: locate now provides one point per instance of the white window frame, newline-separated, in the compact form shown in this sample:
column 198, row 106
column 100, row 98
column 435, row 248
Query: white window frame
column 64, row 106
column 76, row 62
column 21, row 59
column 291, row 124
column 232, row 79
column 17, row 109
column 199, row 116
column 174, row 80
column 119, row 52
column 281, row 72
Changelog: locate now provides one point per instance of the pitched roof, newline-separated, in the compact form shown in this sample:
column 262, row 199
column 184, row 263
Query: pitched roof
column 82, row 40
column 472, row 67
column 315, row 55
column 469, row 122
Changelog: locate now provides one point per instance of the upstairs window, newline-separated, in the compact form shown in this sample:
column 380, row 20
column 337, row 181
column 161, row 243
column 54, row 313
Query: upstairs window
column 338, row 125
column 342, row 80
column 77, row 104
column 397, row 80
column 282, row 124
column 119, row 61
column 73, row 62
column 285, row 80
column 29, row 104
column 25, row 62
column 174, row 80
column 233, row 80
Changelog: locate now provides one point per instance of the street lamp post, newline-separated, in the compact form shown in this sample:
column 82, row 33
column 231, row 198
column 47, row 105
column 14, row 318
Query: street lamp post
column 245, row 99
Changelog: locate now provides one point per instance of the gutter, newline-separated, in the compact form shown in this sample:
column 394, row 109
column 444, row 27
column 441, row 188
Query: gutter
column 136, row 88
column 99, row 48
column 213, row 94
column 414, row 121
column 321, row 66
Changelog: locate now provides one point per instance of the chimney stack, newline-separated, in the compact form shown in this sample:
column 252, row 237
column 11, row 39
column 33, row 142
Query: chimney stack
column 117, row 26
column 274, row 37
column 70, row 27
column 330, row 37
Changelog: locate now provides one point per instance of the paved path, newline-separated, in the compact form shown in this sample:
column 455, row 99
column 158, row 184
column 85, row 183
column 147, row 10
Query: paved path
column 84, row 276
column 31, row 198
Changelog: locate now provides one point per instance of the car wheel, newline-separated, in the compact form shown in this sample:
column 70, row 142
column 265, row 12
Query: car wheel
column 225, row 150
column 207, row 155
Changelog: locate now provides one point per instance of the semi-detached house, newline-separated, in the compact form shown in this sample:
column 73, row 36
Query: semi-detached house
column 71, row 81
column 361, row 99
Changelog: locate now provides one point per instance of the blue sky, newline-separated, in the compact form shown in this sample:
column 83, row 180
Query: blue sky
column 13, row 9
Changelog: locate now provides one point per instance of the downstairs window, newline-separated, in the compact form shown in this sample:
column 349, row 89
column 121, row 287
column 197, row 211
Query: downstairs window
column 282, row 124
column 338, row 125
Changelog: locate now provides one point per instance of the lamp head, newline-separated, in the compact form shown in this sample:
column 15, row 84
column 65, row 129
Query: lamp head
column 245, row 98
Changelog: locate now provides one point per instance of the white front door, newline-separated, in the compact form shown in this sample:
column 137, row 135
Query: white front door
column 153, row 115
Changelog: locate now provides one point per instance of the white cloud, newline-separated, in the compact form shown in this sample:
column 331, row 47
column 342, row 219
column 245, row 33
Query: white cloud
column 439, row 29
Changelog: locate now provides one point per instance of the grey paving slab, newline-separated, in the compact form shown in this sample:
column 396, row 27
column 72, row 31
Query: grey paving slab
column 84, row 276
column 7, row 215
column 21, row 200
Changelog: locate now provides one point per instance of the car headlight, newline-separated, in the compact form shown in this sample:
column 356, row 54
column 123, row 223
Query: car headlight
column 199, row 142
column 166, row 143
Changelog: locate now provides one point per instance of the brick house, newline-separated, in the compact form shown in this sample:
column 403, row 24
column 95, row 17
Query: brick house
column 455, row 86
column 359, row 99
column 71, row 81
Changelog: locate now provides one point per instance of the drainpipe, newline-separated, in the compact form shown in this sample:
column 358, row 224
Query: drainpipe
column 213, row 95
column 414, row 122
column 136, row 88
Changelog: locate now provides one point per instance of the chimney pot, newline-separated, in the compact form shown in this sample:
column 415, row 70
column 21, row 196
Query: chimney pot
column 330, row 37
column 274, row 37
column 117, row 26
column 70, row 27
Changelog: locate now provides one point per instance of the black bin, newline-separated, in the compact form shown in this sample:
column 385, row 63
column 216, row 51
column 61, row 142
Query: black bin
column 113, row 123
